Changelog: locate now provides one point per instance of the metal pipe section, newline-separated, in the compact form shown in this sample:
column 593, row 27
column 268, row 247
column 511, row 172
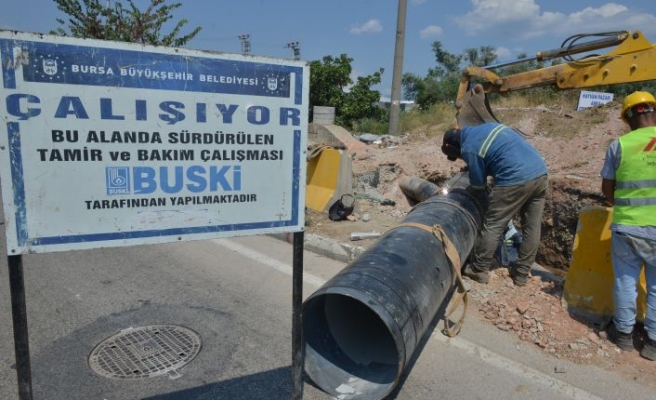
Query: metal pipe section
column 417, row 189
column 362, row 327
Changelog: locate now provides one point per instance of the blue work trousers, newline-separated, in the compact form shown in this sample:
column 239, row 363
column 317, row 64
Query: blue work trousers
column 629, row 253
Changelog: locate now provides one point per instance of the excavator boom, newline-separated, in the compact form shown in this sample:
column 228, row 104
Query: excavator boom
column 631, row 61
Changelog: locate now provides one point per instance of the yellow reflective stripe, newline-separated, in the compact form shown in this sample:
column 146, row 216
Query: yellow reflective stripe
column 488, row 141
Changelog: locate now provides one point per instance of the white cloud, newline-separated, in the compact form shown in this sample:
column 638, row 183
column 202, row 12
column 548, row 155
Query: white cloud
column 430, row 31
column 605, row 11
column 503, row 53
column 371, row 26
column 644, row 22
column 489, row 13
column 526, row 20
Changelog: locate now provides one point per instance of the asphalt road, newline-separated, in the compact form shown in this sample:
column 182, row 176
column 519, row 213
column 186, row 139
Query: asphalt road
column 237, row 295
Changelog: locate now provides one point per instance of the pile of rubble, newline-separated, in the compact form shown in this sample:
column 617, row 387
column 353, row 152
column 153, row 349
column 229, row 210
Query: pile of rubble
column 536, row 314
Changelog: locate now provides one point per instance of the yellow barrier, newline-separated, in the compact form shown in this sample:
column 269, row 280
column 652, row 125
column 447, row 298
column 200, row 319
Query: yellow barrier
column 589, row 281
column 329, row 176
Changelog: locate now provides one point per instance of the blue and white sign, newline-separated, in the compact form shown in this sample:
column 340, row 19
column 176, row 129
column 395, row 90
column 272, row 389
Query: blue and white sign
column 112, row 144
column 590, row 99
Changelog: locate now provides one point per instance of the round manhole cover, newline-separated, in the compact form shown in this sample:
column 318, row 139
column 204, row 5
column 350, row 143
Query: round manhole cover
column 145, row 352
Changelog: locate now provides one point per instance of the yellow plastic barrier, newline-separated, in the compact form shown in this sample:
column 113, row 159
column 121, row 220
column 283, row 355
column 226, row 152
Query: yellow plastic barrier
column 329, row 176
column 589, row 281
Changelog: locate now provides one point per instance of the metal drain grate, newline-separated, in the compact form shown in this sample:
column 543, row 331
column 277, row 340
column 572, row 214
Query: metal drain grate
column 146, row 352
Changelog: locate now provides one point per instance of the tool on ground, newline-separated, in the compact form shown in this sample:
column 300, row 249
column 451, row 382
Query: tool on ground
column 342, row 208
column 364, row 235
column 383, row 202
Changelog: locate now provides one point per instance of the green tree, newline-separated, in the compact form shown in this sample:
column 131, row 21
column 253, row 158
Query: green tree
column 441, row 82
column 447, row 63
column 360, row 101
column 435, row 87
column 93, row 19
column 526, row 65
column 331, row 86
column 412, row 85
column 329, row 78
column 484, row 55
column 537, row 94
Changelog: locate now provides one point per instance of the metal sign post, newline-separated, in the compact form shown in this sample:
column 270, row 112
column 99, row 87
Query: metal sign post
column 19, row 317
column 298, row 347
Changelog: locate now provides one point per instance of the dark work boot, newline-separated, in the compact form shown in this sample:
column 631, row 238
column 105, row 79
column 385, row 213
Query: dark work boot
column 622, row 340
column 649, row 349
column 518, row 278
column 480, row 277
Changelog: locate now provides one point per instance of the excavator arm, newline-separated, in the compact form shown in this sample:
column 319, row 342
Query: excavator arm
column 631, row 61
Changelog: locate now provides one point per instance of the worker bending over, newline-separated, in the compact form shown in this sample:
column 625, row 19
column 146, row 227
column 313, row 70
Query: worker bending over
column 519, row 186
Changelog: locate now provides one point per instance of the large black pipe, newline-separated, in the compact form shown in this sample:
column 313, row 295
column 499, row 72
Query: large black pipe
column 362, row 327
column 417, row 190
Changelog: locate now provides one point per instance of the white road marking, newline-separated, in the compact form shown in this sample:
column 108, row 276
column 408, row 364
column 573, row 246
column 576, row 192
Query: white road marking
column 268, row 261
column 516, row 368
column 489, row 357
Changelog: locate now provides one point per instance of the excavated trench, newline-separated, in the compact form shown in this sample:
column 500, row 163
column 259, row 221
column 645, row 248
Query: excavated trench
column 559, row 221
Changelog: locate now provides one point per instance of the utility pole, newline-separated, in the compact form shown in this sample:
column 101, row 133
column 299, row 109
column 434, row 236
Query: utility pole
column 245, row 44
column 395, row 105
column 296, row 48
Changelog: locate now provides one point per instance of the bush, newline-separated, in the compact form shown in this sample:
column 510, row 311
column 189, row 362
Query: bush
column 370, row 125
column 437, row 114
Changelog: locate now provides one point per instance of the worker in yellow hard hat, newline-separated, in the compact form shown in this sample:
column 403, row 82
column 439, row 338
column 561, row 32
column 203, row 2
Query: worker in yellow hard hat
column 629, row 184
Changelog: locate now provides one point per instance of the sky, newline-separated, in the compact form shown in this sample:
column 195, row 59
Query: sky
column 365, row 30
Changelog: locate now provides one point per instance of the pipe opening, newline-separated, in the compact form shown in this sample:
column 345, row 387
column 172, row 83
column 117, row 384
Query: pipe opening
column 350, row 351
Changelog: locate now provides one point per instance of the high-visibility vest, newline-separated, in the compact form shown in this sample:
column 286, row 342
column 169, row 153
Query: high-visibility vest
column 635, row 179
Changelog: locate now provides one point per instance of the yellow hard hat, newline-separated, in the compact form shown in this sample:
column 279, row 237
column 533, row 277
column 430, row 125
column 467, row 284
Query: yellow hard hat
column 634, row 99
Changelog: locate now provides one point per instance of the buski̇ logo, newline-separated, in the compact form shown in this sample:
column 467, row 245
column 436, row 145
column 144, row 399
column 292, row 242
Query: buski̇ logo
column 195, row 179
column 117, row 180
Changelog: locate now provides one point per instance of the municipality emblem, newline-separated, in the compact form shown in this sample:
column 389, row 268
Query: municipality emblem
column 49, row 66
column 272, row 83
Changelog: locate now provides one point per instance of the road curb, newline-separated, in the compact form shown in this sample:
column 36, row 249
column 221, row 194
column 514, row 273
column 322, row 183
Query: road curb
column 331, row 248
column 345, row 252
